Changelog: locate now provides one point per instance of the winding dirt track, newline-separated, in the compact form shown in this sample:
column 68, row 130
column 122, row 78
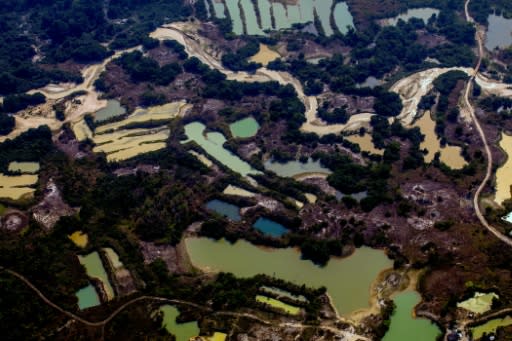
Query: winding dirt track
column 471, row 110
column 347, row 335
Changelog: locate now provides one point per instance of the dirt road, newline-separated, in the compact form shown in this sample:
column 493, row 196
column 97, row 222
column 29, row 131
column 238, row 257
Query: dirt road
column 346, row 334
column 471, row 110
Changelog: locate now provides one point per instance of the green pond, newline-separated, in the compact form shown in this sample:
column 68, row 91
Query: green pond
column 342, row 17
column 87, row 297
column 94, row 267
column 264, row 8
column 348, row 280
column 490, row 327
column 285, row 15
column 212, row 143
column 113, row 109
column 235, row 15
column 182, row 331
column 323, row 10
column 218, row 8
column 24, row 167
column 404, row 326
column 247, row 127
column 294, row 168
column 287, row 308
column 251, row 22
column 420, row 13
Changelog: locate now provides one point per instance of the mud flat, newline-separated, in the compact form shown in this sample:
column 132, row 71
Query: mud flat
column 365, row 143
column 24, row 167
column 479, row 303
column 450, row 155
column 265, row 55
column 503, row 174
column 234, row 190
column 79, row 238
column 17, row 186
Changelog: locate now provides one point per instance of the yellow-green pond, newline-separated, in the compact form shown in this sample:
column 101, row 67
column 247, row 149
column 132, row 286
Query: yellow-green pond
column 347, row 280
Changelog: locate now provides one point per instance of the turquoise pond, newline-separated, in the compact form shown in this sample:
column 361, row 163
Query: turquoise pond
column 87, row 297
column 224, row 209
column 270, row 228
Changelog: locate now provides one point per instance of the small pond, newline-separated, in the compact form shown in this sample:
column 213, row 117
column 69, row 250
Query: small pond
column 293, row 168
column 404, row 326
column 113, row 109
column 270, row 228
column 87, row 297
column 499, row 32
column 490, row 327
column 420, row 13
column 212, row 143
column 182, row 331
column 224, row 209
column 247, row 127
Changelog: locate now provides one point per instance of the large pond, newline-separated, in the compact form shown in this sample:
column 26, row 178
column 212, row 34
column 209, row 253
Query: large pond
column 499, row 32
column 224, row 209
column 419, row 13
column 87, row 297
column 247, row 127
column 404, row 326
column 113, row 109
column 182, row 331
column 294, row 168
column 95, row 269
column 270, row 228
column 347, row 280
column 213, row 143
column 503, row 174
column 284, row 15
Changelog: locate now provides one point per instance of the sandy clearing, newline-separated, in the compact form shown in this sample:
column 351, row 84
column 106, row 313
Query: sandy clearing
column 492, row 87
column 412, row 88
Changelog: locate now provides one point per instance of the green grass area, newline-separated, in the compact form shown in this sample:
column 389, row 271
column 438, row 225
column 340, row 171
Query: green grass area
column 289, row 309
